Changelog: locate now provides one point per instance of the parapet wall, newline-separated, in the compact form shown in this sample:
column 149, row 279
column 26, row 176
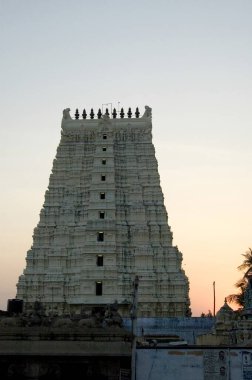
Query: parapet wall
column 185, row 328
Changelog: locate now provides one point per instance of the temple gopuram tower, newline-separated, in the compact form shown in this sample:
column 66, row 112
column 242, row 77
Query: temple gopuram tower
column 103, row 223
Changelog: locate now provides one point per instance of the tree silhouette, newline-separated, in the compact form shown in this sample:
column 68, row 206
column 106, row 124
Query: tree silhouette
column 246, row 266
column 247, row 262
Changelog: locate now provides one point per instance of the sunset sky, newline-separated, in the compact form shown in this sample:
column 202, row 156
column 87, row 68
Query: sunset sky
column 189, row 60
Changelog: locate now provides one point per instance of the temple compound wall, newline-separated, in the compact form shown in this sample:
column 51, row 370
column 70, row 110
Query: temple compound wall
column 63, row 350
column 194, row 363
column 103, row 222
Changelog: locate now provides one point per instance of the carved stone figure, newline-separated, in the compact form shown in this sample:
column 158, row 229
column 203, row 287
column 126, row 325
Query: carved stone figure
column 112, row 317
column 10, row 322
column 147, row 112
column 66, row 114
column 87, row 322
column 63, row 322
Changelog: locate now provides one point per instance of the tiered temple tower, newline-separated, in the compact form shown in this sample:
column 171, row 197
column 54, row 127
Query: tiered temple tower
column 104, row 222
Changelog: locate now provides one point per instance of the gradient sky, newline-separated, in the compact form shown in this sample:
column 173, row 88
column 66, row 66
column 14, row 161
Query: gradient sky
column 190, row 61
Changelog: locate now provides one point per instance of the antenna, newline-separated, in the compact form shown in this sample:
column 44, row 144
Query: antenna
column 107, row 104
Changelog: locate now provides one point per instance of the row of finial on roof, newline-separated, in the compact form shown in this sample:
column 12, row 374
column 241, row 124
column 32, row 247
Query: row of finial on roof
column 99, row 114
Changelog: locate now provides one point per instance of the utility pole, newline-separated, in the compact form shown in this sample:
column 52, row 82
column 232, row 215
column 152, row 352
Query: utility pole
column 134, row 327
column 214, row 298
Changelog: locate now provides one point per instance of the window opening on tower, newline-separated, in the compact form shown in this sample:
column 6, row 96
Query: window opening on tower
column 99, row 261
column 102, row 195
column 102, row 214
column 100, row 236
column 98, row 288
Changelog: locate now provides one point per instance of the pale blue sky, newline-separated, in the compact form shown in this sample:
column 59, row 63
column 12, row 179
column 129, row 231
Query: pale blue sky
column 189, row 60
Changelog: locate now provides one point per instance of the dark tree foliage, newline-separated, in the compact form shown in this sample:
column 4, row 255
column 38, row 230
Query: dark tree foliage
column 246, row 266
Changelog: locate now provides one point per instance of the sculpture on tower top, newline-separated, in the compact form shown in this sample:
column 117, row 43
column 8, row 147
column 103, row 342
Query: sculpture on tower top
column 66, row 114
column 147, row 112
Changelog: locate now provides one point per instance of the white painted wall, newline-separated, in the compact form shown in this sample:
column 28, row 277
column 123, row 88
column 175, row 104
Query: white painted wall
column 194, row 364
